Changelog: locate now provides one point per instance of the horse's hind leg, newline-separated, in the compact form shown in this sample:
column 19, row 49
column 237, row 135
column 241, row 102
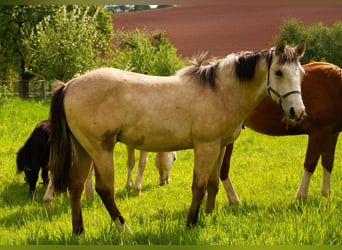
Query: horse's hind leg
column 327, row 161
column 89, row 183
column 141, row 168
column 225, row 178
column 104, row 186
column 77, row 177
column 130, row 166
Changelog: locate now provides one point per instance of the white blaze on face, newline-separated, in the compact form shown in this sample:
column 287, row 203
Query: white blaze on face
column 286, row 80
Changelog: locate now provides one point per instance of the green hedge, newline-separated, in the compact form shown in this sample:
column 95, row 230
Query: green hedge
column 323, row 43
column 146, row 53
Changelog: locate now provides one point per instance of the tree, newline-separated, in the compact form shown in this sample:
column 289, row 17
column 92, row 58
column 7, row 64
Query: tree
column 67, row 43
column 19, row 23
column 16, row 24
column 323, row 43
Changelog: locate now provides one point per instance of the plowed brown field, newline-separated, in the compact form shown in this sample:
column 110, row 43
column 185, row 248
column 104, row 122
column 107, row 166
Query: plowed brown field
column 227, row 26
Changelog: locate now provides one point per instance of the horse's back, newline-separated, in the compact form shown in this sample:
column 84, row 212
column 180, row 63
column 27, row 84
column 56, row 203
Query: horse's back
column 113, row 102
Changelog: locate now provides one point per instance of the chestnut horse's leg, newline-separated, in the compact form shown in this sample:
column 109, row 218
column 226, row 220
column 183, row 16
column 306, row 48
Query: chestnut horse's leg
column 327, row 161
column 77, row 178
column 104, row 186
column 130, row 166
column 206, row 156
column 213, row 182
column 317, row 143
column 142, row 164
column 224, row 175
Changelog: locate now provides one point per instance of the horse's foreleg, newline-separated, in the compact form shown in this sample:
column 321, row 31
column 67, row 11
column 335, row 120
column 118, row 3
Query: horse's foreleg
column 213, row 182
column 104, row 186
column 327, row 162
column 130, row 166
column 142, row 164
column 314, row 150
column 48, row 196
column 45, row 175
column 89, row 183
column 225, row 178
column 206, row 156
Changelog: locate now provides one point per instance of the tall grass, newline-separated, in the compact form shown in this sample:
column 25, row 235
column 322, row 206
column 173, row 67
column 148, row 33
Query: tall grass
column 266, row 172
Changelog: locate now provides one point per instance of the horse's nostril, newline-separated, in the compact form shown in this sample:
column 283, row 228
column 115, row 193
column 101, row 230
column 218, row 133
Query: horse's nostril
column 292, row 113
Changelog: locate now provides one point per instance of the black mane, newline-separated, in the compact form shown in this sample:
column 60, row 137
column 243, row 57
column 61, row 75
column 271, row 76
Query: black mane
column 246, row 62
column 204, row 72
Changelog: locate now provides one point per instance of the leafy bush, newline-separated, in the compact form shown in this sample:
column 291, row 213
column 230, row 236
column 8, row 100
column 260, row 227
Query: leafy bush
column 67, row 43
column 145, row 53
column 323, row 43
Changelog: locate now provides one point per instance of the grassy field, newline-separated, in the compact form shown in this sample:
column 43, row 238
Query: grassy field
column 266, row 172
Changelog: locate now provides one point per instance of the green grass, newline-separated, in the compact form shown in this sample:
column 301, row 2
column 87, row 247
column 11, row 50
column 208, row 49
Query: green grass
column 265, row 171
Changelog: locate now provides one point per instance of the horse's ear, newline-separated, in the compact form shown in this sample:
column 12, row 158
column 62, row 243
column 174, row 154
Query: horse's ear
column 300, row 48
column 280, row 48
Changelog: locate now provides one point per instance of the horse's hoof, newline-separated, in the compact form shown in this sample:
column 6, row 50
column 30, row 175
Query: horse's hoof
column 137, row 191
column 235, row 202
column 122, row 227
column 301, row 196
column 78, row 231
column 47, row 202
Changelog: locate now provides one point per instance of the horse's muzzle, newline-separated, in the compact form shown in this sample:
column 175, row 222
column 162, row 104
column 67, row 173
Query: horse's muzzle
column 297, row 116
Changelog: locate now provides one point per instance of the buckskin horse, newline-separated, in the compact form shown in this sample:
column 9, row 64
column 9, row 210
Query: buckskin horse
column 322, row 96
column 202, row 107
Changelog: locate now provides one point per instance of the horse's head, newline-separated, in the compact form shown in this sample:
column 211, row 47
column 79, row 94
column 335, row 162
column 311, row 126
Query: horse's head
column 164, row 161
column 284, row 78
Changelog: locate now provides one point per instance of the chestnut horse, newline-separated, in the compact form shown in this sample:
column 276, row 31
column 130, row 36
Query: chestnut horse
column 202, row 107
column 322, row 96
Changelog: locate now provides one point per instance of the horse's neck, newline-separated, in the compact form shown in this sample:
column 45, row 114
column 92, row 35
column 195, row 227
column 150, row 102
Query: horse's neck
column 247, row 94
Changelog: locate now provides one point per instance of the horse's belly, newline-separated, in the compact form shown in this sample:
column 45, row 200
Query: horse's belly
column 156, row 142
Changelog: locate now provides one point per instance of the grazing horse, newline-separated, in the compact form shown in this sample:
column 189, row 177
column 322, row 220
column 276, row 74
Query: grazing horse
column 202, row 107
column 322, row 96
column 34, row 155
column 163, row 161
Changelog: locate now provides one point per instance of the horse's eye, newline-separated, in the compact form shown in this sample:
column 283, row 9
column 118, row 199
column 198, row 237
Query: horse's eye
column 279, row 73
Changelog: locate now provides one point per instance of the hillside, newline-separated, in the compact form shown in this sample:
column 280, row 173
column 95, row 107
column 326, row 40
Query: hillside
column 227, row 26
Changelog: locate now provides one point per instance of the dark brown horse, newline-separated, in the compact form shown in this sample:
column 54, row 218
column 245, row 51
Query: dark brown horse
column 34, row 155
column 322, row 96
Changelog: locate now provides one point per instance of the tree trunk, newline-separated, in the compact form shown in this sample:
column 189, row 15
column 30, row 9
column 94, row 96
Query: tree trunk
column 24, row 83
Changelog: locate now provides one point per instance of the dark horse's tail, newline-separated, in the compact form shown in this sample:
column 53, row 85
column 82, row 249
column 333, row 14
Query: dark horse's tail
column 60, row 146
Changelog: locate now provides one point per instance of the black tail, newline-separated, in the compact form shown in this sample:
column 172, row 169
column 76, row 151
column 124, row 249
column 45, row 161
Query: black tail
column 60, row 147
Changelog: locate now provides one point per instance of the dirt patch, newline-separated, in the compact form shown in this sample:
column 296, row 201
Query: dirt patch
column 223, row 28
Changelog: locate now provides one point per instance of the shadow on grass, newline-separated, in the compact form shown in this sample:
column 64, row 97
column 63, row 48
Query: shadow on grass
column 171, row 229
column 295, row 207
